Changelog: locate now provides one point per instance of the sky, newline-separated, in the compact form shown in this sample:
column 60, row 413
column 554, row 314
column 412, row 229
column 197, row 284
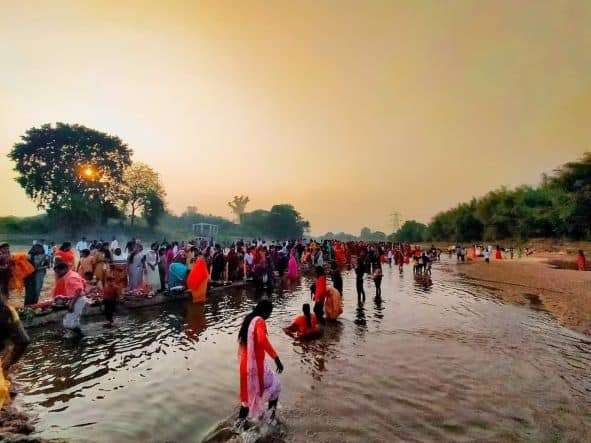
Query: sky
column 349, row 110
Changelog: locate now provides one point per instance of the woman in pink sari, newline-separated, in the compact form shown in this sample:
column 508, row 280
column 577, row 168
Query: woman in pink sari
column 293, row 270
column 259, row 386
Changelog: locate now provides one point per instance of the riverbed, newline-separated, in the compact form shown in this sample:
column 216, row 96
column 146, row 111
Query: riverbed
column 435, row 359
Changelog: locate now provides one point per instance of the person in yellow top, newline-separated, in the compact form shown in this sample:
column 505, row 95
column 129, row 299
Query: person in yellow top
column 13, row 342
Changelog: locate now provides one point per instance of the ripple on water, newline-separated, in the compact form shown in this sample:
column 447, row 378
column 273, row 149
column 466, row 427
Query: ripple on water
column 434, row 360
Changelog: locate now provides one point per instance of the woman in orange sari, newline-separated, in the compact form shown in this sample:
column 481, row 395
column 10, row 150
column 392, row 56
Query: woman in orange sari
column 333, row 306
column 197, row 279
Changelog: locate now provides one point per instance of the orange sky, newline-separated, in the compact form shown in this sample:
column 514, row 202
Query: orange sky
column 347, row 109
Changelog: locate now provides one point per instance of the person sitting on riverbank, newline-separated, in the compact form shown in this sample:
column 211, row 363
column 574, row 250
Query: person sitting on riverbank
column 13, row 335
column 581, row 260
column 258, row 384
column 304, row 325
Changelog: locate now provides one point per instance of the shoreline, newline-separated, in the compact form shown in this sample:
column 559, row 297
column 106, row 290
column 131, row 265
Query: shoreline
column 537, row 282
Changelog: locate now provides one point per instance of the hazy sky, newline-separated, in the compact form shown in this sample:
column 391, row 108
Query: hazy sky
column 347, row 109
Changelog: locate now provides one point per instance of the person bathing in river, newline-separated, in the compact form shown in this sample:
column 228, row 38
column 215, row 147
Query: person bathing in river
column 319, row 294
column 13, row 335
column 335, row 276
column 259, row 386
column 359, row 272
column 304, row 325
column 377, row 277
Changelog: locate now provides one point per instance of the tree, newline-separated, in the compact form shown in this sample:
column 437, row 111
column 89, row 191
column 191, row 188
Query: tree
column 412, row 232
column 141, row 185
column 70, row 170
column 238, row 206
column 286, row 223
column 153, row 208
column 365, row 234
column 282, row 222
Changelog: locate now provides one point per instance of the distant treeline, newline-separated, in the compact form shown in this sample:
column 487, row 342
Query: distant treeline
column 280, row 222
column 559, row 207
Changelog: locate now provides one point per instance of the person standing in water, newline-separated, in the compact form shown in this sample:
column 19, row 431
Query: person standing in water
column 319, row 294
column 337, row 279
column 360, row 269
column 259, row 386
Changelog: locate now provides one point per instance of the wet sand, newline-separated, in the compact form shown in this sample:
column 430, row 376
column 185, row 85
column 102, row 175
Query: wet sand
column 537, row 281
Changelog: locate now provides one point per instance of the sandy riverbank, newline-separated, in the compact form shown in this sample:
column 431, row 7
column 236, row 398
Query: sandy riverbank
column 564, row 293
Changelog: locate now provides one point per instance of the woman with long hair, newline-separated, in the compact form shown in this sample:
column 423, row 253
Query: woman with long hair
column 259, row 386
column 304, row 325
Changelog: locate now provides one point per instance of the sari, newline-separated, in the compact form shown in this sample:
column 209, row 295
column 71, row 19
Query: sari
column 177, row 275
column 197, row 280
column 152, row 271
column 258, row 383
column 136, row 272
column 21, row 268
column 293, row 270
column 332, row 304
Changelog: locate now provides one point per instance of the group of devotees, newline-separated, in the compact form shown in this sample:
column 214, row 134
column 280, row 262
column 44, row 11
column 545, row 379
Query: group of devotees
column 110, row 270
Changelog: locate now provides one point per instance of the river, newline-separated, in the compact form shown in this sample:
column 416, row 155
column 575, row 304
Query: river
column 432, row 361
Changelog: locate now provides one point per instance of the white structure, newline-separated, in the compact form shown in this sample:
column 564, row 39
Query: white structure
column 205, row 231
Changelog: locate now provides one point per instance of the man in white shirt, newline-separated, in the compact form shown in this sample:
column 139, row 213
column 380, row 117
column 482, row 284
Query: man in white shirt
column 81, row 245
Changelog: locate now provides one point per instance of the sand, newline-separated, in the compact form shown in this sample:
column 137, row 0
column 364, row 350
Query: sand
column 565, row 293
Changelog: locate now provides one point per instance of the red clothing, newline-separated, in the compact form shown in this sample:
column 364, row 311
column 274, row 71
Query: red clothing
column 302, row 326
column 69, row 285
column 67, row 257
column 320, row 293
column 581, row 262
column 262, row 346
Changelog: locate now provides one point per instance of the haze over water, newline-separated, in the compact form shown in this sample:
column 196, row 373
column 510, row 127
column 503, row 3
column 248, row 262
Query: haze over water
column 348, row 110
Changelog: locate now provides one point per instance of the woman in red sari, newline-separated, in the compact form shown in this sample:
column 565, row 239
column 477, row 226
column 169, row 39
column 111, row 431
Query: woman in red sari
column 259, row 386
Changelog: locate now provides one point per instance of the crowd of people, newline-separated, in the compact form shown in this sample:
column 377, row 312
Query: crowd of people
column 108, row 270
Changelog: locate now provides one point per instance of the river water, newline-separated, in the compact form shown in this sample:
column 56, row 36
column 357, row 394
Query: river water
column 432, row 361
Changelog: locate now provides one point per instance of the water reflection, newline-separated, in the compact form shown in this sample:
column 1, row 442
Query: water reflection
column 195, row 321
column 456, row 365
column 315, row 354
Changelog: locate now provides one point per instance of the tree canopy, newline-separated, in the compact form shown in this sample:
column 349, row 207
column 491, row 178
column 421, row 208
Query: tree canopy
column 73, row 172
column 143, row 191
